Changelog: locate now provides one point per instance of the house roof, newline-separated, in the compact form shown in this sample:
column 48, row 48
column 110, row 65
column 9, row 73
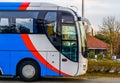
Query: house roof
column 94, row 43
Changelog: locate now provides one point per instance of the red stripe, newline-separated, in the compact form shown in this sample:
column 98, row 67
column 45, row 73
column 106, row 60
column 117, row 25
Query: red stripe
column 24, row 6
column 30, row 46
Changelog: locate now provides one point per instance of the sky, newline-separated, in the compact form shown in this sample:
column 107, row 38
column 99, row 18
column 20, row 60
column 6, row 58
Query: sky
column 95, row 10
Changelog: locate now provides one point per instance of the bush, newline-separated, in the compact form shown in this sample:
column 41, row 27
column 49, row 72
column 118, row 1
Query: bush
column 91, row 55
column 108, row 57
column 100, row 56
column 103, row 66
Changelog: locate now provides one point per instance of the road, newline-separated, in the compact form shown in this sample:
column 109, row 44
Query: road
column 63, row 80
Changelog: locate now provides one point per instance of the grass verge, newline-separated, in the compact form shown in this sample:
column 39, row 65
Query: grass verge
column 99, row 75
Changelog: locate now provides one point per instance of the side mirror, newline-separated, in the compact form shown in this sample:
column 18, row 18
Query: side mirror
column 85, row 54
column 79, row 18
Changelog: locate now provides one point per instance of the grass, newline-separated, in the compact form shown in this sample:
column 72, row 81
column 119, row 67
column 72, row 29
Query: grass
column 99, row 75
column 102, row 68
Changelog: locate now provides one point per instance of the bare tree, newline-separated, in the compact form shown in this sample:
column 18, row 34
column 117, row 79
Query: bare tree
column 110, row 28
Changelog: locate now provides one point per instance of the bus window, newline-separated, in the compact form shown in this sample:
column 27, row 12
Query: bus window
column 69, row 37
column 67, row 18
column 68, row 33
column 50, row 19
column 51, row 29
column 25, row 25
column 20, row 22
column 4, row 23
column 83, row 40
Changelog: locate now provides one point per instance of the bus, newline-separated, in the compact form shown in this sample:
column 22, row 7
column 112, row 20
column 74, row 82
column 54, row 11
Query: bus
column 41, row 39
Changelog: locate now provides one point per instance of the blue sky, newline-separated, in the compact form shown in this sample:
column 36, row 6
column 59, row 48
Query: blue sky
column 95, row 10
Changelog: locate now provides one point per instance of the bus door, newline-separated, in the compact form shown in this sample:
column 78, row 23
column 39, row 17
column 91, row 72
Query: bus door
column 69, row 44
column 53, row 54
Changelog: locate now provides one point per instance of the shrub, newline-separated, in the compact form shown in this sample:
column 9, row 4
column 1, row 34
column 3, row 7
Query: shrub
column 100, row 56
column 108, row 56
column 91, row 55
column 103, row 66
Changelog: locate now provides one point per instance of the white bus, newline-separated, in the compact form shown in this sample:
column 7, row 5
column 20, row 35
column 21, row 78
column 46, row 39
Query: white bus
column 41, row 39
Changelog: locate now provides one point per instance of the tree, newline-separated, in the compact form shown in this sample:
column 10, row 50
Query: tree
column 110, row 29
column 102, row 37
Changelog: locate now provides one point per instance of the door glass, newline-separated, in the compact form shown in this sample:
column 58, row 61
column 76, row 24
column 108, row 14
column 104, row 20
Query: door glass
column 69, row 37
column 69, row 42
column 69, row 49
column 68, row 33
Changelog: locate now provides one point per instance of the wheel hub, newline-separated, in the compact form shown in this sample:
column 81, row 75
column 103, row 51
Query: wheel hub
column 28, row 71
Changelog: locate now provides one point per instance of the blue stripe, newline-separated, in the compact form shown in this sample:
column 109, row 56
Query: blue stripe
column 9, row 8
column 10, row 4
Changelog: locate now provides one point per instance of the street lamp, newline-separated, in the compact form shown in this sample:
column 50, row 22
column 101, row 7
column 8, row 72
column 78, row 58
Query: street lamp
column 82, row 8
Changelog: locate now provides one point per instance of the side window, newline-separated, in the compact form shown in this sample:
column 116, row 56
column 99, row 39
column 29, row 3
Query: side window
column 69, row 37
column 52, row 30
column 4, row 22
column 24, row 25
column 4, row 25
column 50, row 21
column 21, row 22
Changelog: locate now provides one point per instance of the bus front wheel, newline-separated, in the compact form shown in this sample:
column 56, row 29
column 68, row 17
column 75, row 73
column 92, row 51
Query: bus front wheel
column 29, row 71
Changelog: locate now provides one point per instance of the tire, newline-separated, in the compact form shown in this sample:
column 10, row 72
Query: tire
column 29, row 71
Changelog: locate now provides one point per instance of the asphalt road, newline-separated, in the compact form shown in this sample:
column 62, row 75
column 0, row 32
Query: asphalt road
column 63, row 80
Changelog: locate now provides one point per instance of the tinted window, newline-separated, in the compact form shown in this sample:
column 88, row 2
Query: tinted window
column 24, row 25
column 69, row 37
column 20, row 22
column 52, row 29
column 50, row 21
column 4, row 23
column 68, row 32
column 67, row 18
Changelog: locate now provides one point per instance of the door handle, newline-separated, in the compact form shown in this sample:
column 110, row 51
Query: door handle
column 64, row 60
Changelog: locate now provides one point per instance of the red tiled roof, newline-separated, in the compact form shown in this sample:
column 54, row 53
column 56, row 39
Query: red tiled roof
column 94, row 43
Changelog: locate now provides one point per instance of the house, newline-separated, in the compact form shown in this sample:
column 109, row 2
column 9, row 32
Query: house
column 96, row 45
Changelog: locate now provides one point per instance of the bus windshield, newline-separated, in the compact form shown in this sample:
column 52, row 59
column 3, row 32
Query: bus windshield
column 83, row 39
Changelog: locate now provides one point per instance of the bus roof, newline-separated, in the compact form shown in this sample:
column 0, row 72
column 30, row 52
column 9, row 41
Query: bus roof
column 23, row 5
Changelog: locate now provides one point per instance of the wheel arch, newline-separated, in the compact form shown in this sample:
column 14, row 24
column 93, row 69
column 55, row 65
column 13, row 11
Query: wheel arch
column 27, row 59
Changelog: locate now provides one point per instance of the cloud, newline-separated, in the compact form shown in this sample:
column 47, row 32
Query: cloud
column 105, row 6
column 96, row 10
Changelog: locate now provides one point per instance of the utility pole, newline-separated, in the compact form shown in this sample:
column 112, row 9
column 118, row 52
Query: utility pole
column 82, row 8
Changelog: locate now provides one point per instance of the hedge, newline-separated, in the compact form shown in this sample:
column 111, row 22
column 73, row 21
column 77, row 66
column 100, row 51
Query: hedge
column 91, row 55
column 103, row 66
